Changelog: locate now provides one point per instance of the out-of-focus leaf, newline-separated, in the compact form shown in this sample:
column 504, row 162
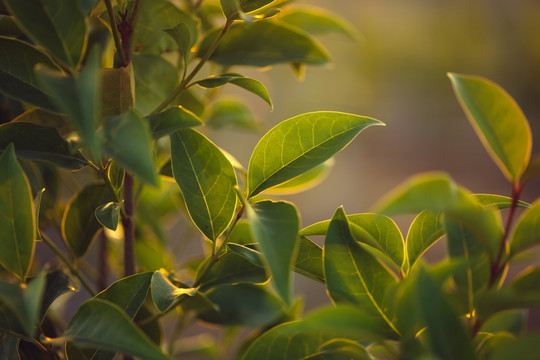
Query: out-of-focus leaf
column 254, row 86
column 36, row 204
column 57, row 283
column 128, row 142
column 498, row 121
column 165, row 294
column 261, row 44
column 512, row 321
column 233, row 113
column 152, row 255
column 45, row 118
column 36, row 142
column 425, row 230
column 172, row 120
column 79, row 224
column 340, row 349
column 206, row 179
column 527, row 230
column 297, row 339
column 17, row 224
column 305, row 181
column 17, row 79
column 309, row 260
column 501, row 202
column 59, row 26
column 533, row 169
column 298, row 144
column 9, row 346
column 353, row 275
column 253, row 306
column 181, row 34
column 117, row 94
column 275, row 225
column 107, row 215
column 522, row 348
column 233, row 11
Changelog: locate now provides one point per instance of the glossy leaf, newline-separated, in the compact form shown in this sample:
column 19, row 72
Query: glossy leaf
column 230, row 112
column 353, row 275
column 78, row 97
column 59, row 26
column 17, row 225
column 117, row 94
column 261, row 44
column 165, row 294
column 425, row 230
column 527, row 231
column 309, row 260
column 99, row 323
column 254, row 86
column 499, row 201
column 305, row 181
column 299, row 144
column 17, row 79
column 498, row 121
column 251, row 255
column 36, row 142
column 253, row 306
column 275, row 225
column 206, row 179
column 172, row 120
column 108, row 214
column 297, row 339
column 340, row 349
column 79, row 224
column 128, row 142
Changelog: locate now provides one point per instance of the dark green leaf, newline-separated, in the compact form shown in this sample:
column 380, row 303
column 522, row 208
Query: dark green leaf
column 128, row 142
column 9, row 346
column 107, row 215
column 309, row 260
column 275, row 225
column 252, row 306
column 425, row 230
column 57, row 283
column 98, row 323
column 165, row 294
column 79, row 225
column 492, row 111
column 251, row 255
column 527, row 231
column 353, row 275
column 59, row 26
column 117, row 94
column 512, row 321
column 172, row 120
column 17, row 80
column 340, row 349
column 46, row 118
column 17, row 224
column 252, row 5
column 37, row 207
column 261, row 44
column 206, row 179
column 233, row 113
column 521, row 348
column 36, row 142
column 299, row 144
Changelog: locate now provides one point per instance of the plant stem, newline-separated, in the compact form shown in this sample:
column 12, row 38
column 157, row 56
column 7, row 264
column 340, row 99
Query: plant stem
column 74, row 271
column 184, row 84
column 129, row 226
column 103, row 269
column 115, row 33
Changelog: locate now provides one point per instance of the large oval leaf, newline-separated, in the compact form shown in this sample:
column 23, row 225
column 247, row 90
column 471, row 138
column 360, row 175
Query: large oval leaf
column 497, row 120
column 17, row 226
column 298, row 144
column 206, row 179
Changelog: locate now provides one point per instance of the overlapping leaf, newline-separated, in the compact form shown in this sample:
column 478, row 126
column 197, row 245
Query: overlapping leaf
column 426, row 229
column 165, row 293
column 171, row 120
column 527, row 231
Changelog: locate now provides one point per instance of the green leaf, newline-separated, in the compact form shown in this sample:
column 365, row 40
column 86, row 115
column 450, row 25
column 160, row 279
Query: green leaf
column 512, row 321
column 165, row 294
column 9, row 346
column 17, row 79
column 252, row 5
column 181, row 34
column 46, row 118
column 79, row 224
column 499, row 201
column 251, row 255
column 172, row 120
column 253, row 306
column 57, row 283
column 309, row 260
column 78, row 97
column 340, row 349
column 261, row 44
column 17, row 225
column 533, row 169
column 297, row 339
column 353, row 275
column 107, row 215
column 425, row 230
column 446, row 336
column 206, row 179
column 231, row 112
column 527, row 231
column 305, row 181
column 522, row 348
column 99, row 323
column 117, row 95
column 275, row 225
column 254, row 86
column 233, row 11
column 493, row 112
column 36, row 142
column 299, row 144
column 59, row 26
column 128, row 142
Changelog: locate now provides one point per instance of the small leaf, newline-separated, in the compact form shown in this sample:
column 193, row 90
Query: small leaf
column 299, row 144
column 79, row 224
column 107, row 215
column 36, row 142
column 533, row 169
column 165, row 294
column 17, row 224
column 527, row 231
column 37, row 207
column 261, row 44
column 492, row 112
column 59, row 26
column 117, row 94
column 99, row 323
column 425, row 230
column 128, row 142
column 172, row 120
column 309, row 260
column 17, row 79
column 57, row 283
column 254, row 86
column 275, row 225
column 206, row 179
column 181, row 34
column 501, row 202
column 354, row 276
column 231, row 113
column 305, row 181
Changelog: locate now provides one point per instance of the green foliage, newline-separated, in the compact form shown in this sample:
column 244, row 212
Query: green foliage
column 104, row 159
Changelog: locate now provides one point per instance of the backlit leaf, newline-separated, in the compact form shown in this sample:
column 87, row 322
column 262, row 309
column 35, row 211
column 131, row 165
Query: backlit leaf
column 172, row 120
column 230, row 112
column 57, row 283
column 499, row 201
column 425, row 230
column 527, row 231
column 299, row 144
column 165, row 293
column 309, row 260
column 252, row 5
column 498, row 122
column 108, row 214
column 117, row 94
column 305, row 181
column 340, row 349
